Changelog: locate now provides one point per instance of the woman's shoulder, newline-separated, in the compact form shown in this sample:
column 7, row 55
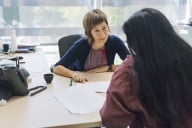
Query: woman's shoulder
column 114, row 40
column 83, row 41
column 126, row 66
column 128, row 62
column 114, row 37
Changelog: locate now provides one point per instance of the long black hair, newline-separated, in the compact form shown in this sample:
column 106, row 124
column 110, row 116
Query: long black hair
column 163, row 63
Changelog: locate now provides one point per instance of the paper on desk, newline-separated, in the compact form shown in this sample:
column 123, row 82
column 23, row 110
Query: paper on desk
column 80, row 100
column 100, row 86
column 7, row 62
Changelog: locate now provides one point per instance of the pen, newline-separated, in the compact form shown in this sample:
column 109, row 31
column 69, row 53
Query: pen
column 71, row 82
column 40, row 90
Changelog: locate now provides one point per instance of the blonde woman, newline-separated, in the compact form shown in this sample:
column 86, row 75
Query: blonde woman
column 94, row 53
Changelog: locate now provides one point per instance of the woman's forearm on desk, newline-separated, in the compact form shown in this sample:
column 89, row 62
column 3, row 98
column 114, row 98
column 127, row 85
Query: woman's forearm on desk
column 61, row 70
column 114, row 67
column 75, row 75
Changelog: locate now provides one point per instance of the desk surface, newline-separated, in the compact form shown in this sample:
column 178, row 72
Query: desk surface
column 43, row 110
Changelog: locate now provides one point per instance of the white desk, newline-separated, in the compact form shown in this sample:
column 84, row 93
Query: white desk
column 43, row 110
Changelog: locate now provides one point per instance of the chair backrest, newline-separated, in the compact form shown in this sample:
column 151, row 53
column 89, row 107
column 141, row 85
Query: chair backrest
column 66, row 42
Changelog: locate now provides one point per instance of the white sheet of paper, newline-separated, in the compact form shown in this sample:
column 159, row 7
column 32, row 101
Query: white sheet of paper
column 100, row 86
column 80, row 100
column 7, row 62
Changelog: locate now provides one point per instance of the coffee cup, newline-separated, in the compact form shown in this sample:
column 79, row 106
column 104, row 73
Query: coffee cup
column 48, row 77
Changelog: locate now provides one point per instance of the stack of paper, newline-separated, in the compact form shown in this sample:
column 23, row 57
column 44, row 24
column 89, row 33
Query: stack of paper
column 80, row 100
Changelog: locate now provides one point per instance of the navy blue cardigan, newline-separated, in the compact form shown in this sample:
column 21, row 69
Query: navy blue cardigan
column 76, row 56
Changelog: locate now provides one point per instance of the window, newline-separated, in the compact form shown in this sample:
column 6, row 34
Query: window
column 42, row 21
column 45, row 21
column 120, row 10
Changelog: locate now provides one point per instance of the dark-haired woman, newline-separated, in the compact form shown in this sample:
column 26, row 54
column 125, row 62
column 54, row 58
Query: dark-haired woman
column 153, row 86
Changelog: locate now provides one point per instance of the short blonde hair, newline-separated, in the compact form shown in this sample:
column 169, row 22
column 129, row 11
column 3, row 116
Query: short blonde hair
column 91, row 19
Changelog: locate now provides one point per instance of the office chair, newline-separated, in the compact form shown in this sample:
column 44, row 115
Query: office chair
column 65, row 43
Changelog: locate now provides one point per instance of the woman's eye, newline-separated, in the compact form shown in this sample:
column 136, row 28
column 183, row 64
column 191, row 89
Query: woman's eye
column 105, row 29
column 96, row 30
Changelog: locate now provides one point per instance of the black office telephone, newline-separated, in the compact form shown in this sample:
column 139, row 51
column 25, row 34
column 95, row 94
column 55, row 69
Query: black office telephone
column 13, row 81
